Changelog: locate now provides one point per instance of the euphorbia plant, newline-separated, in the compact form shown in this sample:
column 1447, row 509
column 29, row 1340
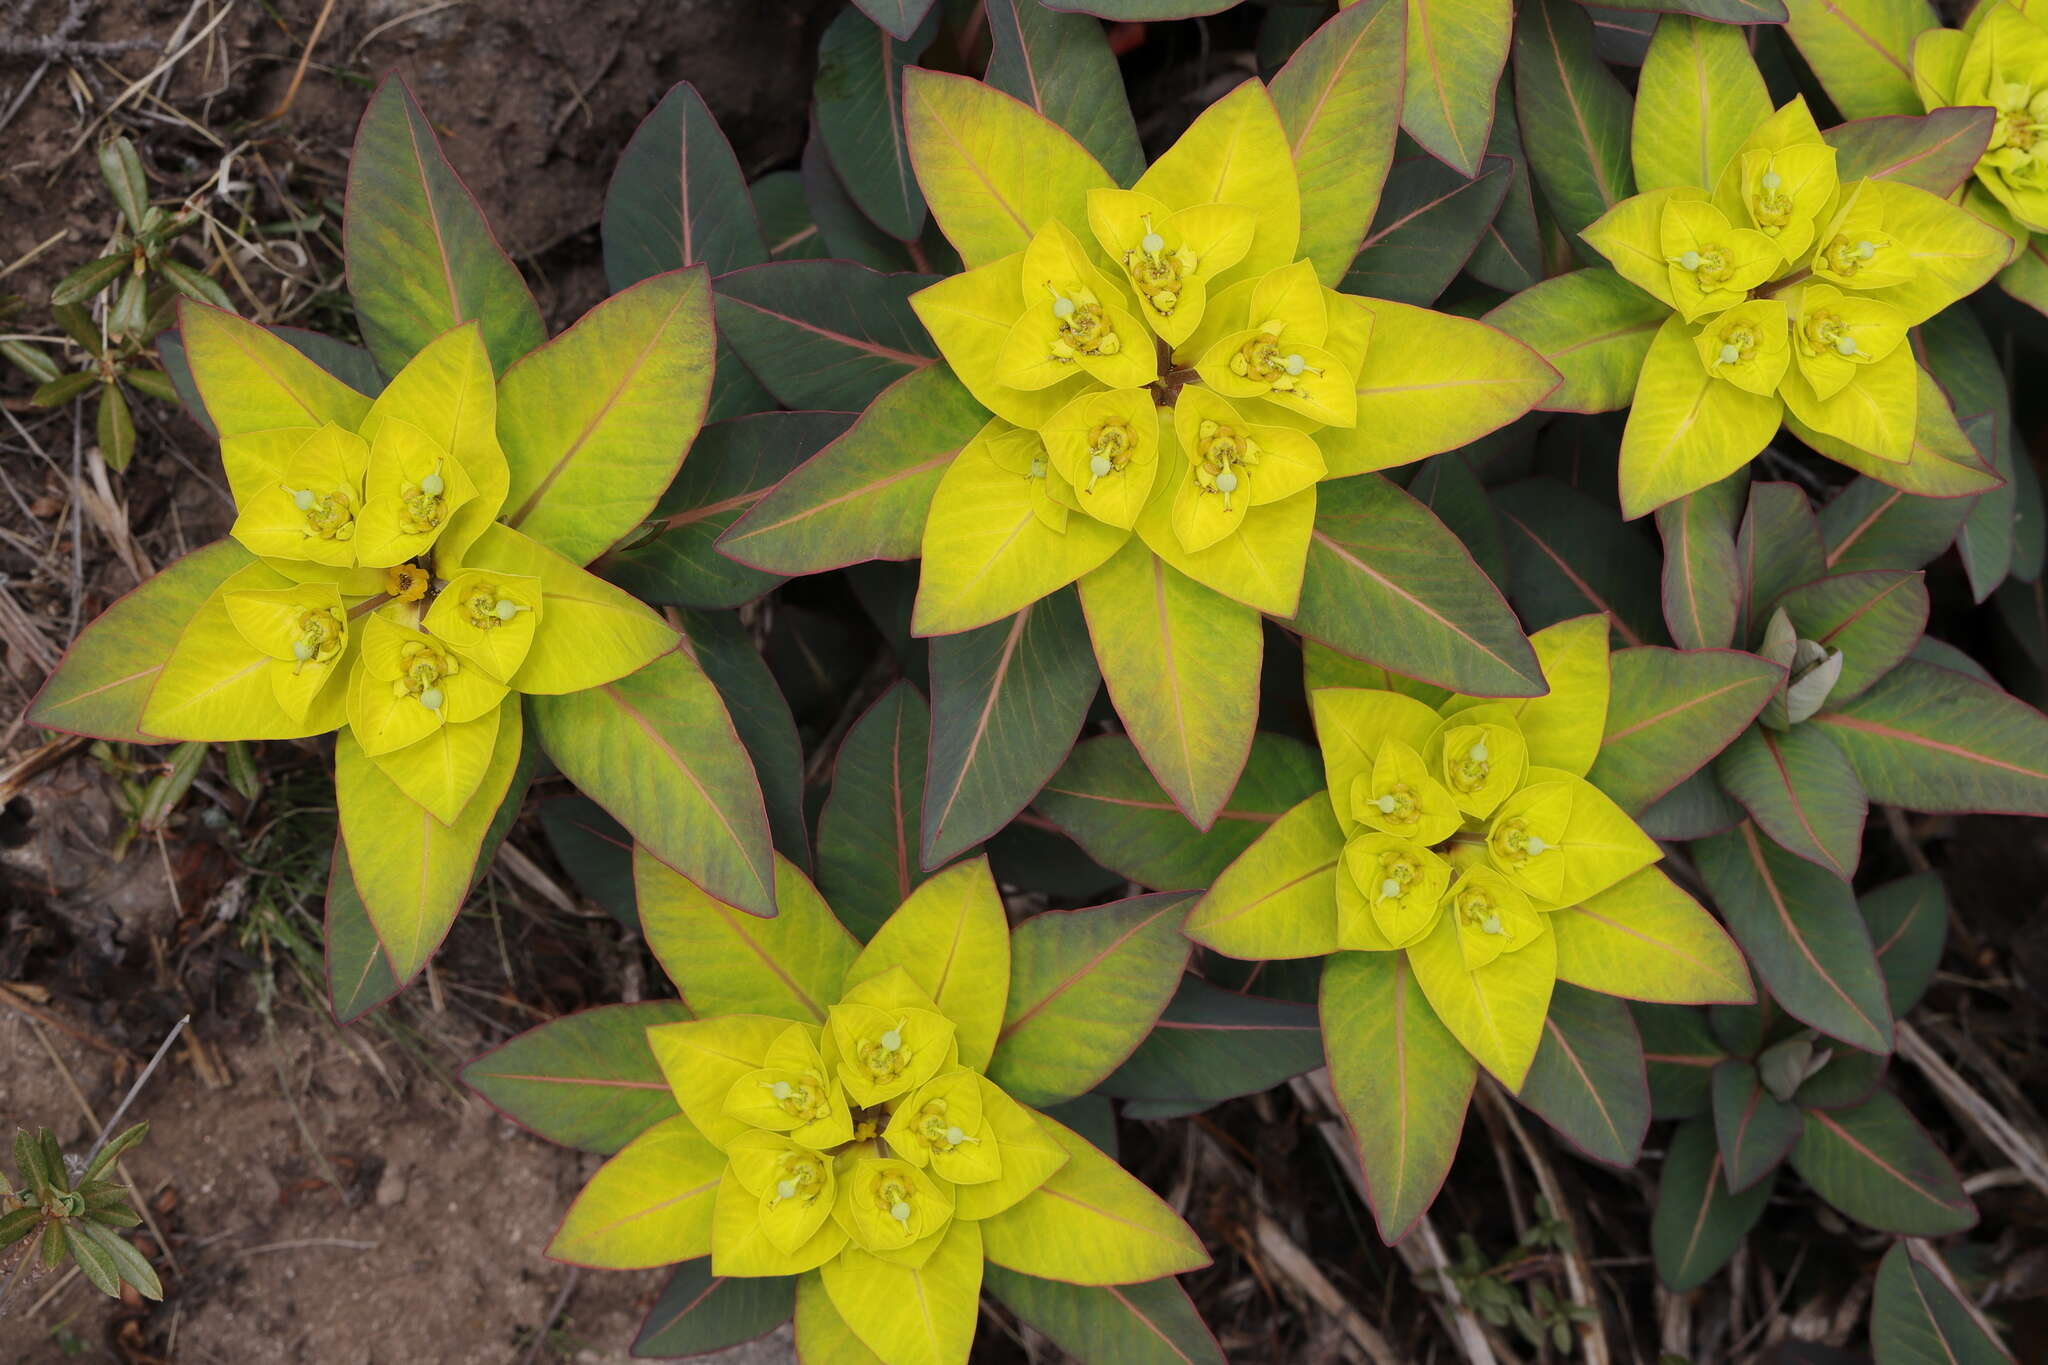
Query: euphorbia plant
column 1791, row 292
column 1143, row 387
column 846, row 1132
column 405, row 565
column 1458, row 867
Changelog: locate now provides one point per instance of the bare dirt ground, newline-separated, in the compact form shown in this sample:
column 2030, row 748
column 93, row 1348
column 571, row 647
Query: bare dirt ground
column 315, row 1195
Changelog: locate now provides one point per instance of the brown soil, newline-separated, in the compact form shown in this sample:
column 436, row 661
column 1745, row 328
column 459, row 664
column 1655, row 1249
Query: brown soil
column 327, row 1197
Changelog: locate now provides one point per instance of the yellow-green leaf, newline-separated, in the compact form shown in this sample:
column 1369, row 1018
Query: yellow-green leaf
column 953, row 939
column 1699, row 96
column 988, row 551
column 1182, row 664
column 1279, row 899
column 1593, row 327
column 1942, row 463
column 449, row 392
column 658, row 751
column 596, row 421
column 922, row 1316
column 1563, row 727
column 589, row 632
column 1497, row 1012
column 1401, row 1079
column 865, row 496
column 217, row 686
column 1236, row 152
column 1644, row 938
column 821, row 1334
column 1862, row 52
column 726, row 961
column 251, row 380
column 649, row 1205
column 1687, row 428
column 1431, row 382
column 412, row 870
column 1456, row 49
column 993, row 169
column 701, row 1058
column 1339, row 98
column 421, row 257
column 104, row 680
column 1091, row 1223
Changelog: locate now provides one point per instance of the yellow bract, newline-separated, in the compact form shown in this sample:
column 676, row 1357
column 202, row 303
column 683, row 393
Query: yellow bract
column 386, row 598
column 861, row 1139
column 1791, row 294
column 2001, row 60
column 1175, row 313
column 1465, row 828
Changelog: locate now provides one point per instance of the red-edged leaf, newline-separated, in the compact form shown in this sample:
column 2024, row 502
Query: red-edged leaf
column 586, row 1080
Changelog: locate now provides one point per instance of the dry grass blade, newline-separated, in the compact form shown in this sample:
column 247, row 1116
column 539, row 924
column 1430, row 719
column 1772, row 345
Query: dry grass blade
column 1421, row 1250
column 1577, row 1273
column 1288, row 1257
column 2025, row 1152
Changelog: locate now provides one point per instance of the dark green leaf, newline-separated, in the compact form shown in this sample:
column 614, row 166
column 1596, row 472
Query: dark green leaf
column 1801, row 931
column 1430, row 220
column 1153, row 1323
column 1935, row 153
column 586, row 1080
column 92, row 1257
column 1510, row 254
column 868, row 830
column 194, row 285
column 1908, row 922
column 677, row 197
column 114, row 428
column 1721, row 11
column 127, row 1263
column 1800, row 789
column 860, row 116
column 828, row 335
column 1874, row 617
column 1870, row 525
column 1777, row 548
column 596, row 852
column 1061, row 65
column 1008, row 700
column 1702, row 587
column 786, row 223
column 1876, row 1164
column 1753, row 1127
column 1575, row 115
column 1679, row 1053
column 111, row 1153
column 1107, row 801
column 1693, row 809
column 1698, row 1224
column 899, row 17
column 1846, row 1080
column 844, row 231
column 121, row 168
column 86, row 281
column 1569, row 555
column 1588, row 1080
column 1669, row 712
column 421, row 257
column 1447, row 486
column 1211, row 1044
column 732, row 466
column 1933, row 740
column 700, row 1312
column 64, row 389
column 761, row 717
column 1387, row 582
column 1918, row 1318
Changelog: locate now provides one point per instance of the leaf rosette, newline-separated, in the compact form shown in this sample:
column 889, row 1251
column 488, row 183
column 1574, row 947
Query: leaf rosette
column 1791, row 295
